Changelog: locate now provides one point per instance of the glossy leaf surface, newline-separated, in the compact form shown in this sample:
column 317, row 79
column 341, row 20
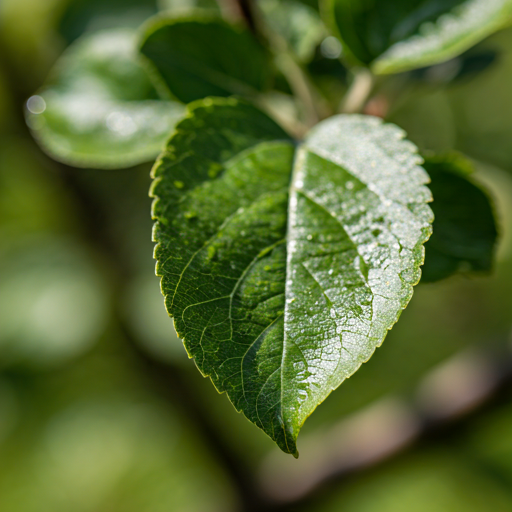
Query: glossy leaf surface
column 203, row 56
column 465, row 233
column 285, row 266
column 99, row 108
column 399, row 35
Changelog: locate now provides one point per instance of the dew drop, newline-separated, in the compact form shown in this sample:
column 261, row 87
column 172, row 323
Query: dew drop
column 36, row 105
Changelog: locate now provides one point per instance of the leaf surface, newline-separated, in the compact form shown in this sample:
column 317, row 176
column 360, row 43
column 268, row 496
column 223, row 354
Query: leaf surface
column 465, row 233
column 204, row 56
column 99, row 108
column 284, row 266
column 400, row 35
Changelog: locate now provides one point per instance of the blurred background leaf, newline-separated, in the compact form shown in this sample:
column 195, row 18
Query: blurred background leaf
column 103, row 415
column 98, row 108
column 465, row 232
column 189, row 56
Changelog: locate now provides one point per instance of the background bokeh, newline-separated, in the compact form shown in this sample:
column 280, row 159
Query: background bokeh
column 100, row 409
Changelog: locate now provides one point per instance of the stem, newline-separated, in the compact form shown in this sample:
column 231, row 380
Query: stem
column 238, row 10
column 296, row 76
column 300, row 86
column 245, row 7
column 358, row 92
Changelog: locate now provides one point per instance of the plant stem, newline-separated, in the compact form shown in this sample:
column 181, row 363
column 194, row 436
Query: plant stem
column 301, row 87
column 358, row 93
column 238, row 10
column 297, row 78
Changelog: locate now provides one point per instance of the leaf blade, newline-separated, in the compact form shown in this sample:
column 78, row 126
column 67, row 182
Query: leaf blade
column 100, row 109
column 451, row 35
column 397, row 36
column 265, row 257
column 349, row 180
column 465, row 231
column 228, row 253
column 188, row 55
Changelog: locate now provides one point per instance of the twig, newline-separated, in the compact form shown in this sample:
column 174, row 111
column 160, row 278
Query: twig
column 300, row 86
column 305, row 92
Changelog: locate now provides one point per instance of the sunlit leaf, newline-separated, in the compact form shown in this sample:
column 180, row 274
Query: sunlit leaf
column 465, row 233
column 399, row 35
column 204, row 56
column 99, row 108
column 284, row 266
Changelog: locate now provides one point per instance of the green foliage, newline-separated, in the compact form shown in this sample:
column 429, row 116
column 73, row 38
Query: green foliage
column 99, row 108
column 100, row 409
column 190, row 57
column 47, row 285
column 464, row 228
column 283, row 262
column 284, row 267
column 400, row 35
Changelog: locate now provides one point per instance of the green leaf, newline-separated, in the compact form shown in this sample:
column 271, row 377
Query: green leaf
column 284, row 266
column 465, row 233
column 99, row 108
column 400, row 35
column 197, row 57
